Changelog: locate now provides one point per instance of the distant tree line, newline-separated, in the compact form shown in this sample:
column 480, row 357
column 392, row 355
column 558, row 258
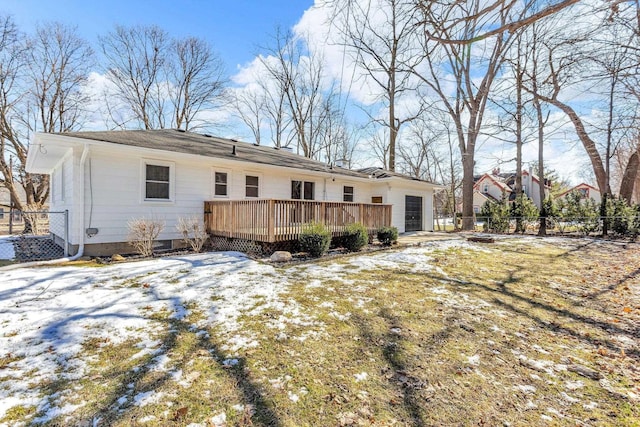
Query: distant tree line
column 441, row 79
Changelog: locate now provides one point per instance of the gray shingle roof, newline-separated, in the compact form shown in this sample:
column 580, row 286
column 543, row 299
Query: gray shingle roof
column 209, row 146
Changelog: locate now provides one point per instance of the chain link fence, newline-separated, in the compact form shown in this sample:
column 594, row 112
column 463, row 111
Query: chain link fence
column 575, row 226
column 27, row 236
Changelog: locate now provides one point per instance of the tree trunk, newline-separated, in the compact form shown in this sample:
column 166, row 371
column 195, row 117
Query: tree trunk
column 542, row 230
column 629, row 177
column 468, row 222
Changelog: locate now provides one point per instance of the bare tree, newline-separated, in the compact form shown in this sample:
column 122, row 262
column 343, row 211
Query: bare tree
column 570, row 62
column 470, row 70
column 487, row 15
column 136, row 58
column 299, row 71
column 42, row 80
column 419, row 152
column 381, row 37
column 249, row 106
column 197, row 79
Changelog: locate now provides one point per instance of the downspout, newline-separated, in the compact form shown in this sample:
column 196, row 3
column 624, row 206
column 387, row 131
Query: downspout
column 83, row 159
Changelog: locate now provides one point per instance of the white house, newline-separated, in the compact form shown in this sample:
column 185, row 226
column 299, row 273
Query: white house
column 496, row 186
column 105, row 179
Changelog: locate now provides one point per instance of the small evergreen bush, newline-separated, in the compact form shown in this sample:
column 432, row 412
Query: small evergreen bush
column 388, row 235
column 622, row 215
column 315, row 239
column 495, row 216
column 356, row 237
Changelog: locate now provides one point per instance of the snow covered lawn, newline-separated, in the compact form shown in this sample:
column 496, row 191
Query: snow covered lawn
column 442, row 333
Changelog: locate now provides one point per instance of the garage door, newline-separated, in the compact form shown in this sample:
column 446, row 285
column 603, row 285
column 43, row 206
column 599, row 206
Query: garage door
column 412, row 213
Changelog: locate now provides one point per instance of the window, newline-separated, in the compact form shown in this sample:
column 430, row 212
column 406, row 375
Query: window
column 221, row 184
column 302, row 190
column 309, row 189
column 251, row 183
column 485, row 188
column 157, row 182
column 347, row 194
column 524, row 189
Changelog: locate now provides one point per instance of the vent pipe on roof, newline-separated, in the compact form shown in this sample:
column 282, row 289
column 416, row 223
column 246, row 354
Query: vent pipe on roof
column 342, row 163
column 233, row 151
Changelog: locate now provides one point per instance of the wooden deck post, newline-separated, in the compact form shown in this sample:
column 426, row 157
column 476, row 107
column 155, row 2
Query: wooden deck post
column 271, row 220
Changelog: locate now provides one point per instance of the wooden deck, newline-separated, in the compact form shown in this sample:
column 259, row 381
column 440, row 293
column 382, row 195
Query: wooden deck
column 272, row 220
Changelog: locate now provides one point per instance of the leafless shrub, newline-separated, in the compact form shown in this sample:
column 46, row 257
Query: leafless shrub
column 142, row 233
column 193, row 232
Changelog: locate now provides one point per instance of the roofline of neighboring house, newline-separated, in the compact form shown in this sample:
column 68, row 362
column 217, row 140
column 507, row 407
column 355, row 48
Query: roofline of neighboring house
column 500, row 184
column 575, row 187
column 69, row 140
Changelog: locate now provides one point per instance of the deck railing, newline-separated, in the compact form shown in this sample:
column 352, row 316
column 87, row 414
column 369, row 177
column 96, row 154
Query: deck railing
column 271, row 220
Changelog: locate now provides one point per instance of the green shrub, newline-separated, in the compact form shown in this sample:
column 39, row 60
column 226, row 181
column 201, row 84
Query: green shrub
column 387, row 235
column 495, row 216
column 622, row 215
column 315, row 239
column 525, row 212
column 355, row 237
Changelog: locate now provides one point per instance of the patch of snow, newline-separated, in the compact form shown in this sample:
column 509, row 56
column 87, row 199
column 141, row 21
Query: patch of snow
column 54, row 411
column 526, row 389
column 147, row 398
column 590, row 406
column 230, row 362
column 293, row 397
column 361, row 376
column 147, row 419
column 568, row 398
column 474, row 360
column 219, row 420
column 160, row 363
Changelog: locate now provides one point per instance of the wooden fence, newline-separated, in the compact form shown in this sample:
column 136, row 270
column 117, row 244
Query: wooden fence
column 271, row 220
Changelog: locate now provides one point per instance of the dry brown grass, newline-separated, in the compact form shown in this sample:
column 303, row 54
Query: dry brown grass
column 500, row 334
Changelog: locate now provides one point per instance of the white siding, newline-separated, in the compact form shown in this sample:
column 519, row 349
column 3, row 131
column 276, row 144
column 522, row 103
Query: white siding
column 114, row 190
column 61, row 193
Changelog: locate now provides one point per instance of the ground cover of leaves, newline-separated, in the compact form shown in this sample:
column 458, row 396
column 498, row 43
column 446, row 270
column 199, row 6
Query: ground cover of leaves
column 523, row 331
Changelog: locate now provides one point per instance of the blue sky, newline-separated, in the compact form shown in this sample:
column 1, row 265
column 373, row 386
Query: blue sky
column 235, row 28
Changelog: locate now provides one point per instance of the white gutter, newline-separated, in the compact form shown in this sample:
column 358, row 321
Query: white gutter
column 80, row 253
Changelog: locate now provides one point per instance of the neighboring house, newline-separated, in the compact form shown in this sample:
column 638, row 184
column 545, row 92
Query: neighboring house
column 6, row 211
column 489, row 187
column 496, row 185
column 105, row 179
column 586, row 192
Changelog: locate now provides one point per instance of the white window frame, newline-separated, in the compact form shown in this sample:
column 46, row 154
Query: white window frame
column 143, row 181
column 259, row 176
column 353, row 193
column 303, row 181
column 213, row 183
column 485, row 188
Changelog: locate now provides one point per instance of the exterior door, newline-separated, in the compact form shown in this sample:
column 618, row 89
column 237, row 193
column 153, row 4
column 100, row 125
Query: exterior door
column 412, row 213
